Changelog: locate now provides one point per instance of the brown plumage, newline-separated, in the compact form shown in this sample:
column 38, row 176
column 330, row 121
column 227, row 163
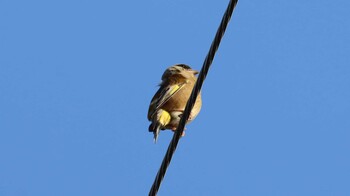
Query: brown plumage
column 170, row 100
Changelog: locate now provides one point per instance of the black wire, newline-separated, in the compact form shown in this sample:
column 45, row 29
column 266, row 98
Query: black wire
column 197, row 87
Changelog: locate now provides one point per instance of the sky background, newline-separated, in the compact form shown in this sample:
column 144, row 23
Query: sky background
column 76, row 79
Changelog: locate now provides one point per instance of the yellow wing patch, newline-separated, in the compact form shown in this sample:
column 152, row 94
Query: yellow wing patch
column 162, row 96
column 163, row 117
column 174, row 89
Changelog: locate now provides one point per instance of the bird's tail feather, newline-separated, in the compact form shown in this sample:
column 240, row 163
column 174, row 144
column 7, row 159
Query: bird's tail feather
column 155, row 128
column 156, row 133
column 162, row 118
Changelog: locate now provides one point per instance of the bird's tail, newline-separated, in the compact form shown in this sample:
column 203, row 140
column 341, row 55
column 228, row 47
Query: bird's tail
column 162, row 118
column 155, row 128
column 156, row 133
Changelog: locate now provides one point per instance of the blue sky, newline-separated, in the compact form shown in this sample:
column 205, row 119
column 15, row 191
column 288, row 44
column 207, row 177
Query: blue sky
column 76, row 79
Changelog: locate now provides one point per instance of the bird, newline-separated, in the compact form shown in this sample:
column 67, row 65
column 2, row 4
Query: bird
column 169, row 102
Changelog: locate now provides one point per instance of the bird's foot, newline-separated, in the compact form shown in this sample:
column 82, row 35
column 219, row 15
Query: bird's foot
column 183, row 133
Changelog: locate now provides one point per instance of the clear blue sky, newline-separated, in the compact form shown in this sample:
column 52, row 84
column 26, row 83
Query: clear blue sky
column 76, row 79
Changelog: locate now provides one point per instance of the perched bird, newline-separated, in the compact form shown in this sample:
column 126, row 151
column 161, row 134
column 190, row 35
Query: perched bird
column 169, row 102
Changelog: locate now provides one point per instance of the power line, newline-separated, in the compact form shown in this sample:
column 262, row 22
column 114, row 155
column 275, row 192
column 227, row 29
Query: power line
column 196, row 89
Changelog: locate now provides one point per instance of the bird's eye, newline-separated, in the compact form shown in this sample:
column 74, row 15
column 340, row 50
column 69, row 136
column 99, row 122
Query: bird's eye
column 184, row 66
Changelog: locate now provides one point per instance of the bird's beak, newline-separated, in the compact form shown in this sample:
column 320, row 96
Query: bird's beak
column 195, row 72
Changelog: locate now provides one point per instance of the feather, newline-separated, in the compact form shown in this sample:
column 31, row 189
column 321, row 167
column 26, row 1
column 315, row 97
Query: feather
column 162, row 96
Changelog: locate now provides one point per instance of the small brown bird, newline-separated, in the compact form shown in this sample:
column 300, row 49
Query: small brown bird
column 169, row 102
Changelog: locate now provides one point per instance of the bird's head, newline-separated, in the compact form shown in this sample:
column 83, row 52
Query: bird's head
column 179, row 69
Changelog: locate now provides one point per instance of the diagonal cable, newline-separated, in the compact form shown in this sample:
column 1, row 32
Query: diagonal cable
column 196, row 89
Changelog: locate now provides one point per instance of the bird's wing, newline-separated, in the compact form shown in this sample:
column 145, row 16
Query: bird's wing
column 162, row 96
